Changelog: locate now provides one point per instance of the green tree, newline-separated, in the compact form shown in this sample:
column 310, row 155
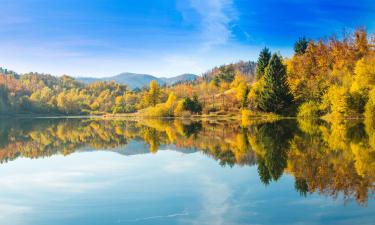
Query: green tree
column 245, row 93
column 275, row 96
column 4, row 101
column 300, row 46
column 226, row 73
column 192, row 105
column 274, row 138
column 263, row 60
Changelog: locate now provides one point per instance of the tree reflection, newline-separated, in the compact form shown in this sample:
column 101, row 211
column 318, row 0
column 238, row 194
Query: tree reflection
column 274, row 139
column 330, row 158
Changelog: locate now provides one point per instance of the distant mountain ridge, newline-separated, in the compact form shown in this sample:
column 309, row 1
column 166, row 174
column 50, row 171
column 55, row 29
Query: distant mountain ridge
column 135, row 80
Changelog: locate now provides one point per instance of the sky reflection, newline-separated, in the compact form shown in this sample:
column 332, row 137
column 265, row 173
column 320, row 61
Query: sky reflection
column 163, row 188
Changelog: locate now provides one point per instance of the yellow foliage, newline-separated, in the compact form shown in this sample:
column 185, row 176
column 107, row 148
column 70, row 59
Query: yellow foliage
column 254, row 93
column 336, row 101
column 241, row 90
column 364, row 79
column 364, row 159
column 308, row 109
column 179, row 108
column 238, row 79
column 370, row 108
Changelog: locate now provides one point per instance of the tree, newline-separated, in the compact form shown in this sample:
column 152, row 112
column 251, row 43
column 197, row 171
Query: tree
column 300, row 46
column 154, row 93
column 42, row 100
column 227, row 73
column 4, row 101
column 263, row 60
column 242, row 93
column 192, row 105
column 364, row 78
column 361, row 43
column 336, row 101
column 275, row 96
column 171, row 103
column 120, row 104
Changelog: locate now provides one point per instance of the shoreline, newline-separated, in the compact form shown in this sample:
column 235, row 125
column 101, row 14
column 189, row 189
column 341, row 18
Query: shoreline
column 138, row 116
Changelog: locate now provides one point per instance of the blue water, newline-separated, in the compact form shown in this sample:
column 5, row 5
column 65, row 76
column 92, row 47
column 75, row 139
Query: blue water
column 168, row 187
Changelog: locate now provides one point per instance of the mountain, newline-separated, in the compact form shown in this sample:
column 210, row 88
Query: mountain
column 180, row 78
column 135, row 80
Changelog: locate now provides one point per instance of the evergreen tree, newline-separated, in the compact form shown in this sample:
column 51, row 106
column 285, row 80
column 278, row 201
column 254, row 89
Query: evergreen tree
column 245, row 93
column 4, row 100
column 227, row 73
column 263, row 60
column 192, row 105
column 197, row 106
column 275, row 96
column 300, row 46
column 263, row 172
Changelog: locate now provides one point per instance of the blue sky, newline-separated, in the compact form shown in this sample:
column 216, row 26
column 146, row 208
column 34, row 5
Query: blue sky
column 162, row 37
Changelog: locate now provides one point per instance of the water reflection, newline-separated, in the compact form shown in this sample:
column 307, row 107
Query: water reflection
column 328, row 158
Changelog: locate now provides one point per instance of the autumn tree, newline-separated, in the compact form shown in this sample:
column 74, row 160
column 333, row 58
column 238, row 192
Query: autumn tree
column 153, row 93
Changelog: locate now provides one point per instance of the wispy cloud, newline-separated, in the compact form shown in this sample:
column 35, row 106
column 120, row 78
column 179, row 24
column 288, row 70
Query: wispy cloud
column 216, row 19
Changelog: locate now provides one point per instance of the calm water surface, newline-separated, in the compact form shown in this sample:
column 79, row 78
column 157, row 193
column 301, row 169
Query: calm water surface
column 91, row 171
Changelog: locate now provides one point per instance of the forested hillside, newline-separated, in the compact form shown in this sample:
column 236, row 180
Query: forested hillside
column 332, row 77
column 46, row 94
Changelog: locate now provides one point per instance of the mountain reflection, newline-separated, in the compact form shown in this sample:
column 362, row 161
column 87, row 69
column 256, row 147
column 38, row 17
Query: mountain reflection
column 327, row 158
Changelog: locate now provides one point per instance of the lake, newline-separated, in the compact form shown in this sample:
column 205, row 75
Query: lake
column 115, row 171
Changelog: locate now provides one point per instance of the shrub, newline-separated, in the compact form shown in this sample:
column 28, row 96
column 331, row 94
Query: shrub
column 309, row 109
column 370, row 107
column 192, row 105
column 159, row 110
column 179, row 108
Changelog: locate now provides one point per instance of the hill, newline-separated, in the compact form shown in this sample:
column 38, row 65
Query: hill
column 180, row 78
column 135, row 80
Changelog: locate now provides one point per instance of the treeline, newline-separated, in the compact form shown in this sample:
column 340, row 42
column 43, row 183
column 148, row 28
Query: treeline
column 46, row 94
column 333, row 77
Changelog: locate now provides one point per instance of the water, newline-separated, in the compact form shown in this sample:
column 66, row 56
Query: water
column 92, row 171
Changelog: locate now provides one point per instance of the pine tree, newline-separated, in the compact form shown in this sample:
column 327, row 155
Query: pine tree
column 300, row 46
column 275, row 96
column 263, row 60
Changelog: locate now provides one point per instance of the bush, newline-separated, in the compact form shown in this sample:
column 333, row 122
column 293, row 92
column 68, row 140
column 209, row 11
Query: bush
column 179, row 108
column 192, row 105
column 124, row 109
column 370, row 107
column 158, row 111
column 309, row 109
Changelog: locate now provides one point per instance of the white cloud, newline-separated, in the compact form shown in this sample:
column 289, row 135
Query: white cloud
column 73, row 179
column 10, row 210
column 13, row 213
column 216, row 17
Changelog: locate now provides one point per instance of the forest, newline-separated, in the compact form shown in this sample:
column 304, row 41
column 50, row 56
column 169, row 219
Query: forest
column 332, row 77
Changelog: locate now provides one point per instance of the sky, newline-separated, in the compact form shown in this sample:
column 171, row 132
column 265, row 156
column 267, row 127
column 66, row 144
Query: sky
column 102, row 38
